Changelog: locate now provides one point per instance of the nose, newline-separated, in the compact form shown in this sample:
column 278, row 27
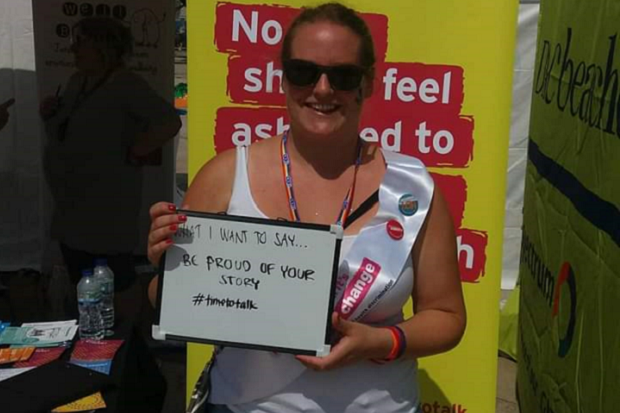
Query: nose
column 322, row 86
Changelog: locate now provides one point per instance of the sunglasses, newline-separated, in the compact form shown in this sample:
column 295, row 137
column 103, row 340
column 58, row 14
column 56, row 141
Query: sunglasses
column 303, row 73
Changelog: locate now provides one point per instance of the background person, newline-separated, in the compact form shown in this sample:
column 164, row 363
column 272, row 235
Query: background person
column 328, row 60
column 98, row 133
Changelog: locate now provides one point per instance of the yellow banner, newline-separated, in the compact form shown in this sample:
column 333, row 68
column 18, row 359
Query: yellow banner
column 442, row 94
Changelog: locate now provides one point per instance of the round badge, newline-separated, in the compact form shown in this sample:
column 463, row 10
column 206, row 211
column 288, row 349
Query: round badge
column 407, row 205
column 395, row 230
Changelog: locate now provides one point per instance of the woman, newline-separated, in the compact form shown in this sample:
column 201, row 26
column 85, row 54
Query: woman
column 99, row 131
column 328, row 60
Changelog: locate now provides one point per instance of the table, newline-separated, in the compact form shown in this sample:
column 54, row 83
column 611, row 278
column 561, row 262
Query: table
column 135, row 383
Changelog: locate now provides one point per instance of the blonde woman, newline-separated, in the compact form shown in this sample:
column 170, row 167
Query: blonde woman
column 407, row 236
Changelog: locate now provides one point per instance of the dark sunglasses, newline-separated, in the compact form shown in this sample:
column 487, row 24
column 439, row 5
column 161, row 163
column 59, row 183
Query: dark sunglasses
column 303, row 73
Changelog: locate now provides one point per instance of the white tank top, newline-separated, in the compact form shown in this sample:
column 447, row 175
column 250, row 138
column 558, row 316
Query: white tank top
column 359, row 388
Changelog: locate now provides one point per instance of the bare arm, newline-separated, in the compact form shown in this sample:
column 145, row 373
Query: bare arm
column 156, row 136
column 439, row 310
column 145, row 104
column 209, row 192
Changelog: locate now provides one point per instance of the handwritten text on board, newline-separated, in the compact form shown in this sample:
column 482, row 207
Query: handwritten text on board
column 250, row 282
column 239, row 273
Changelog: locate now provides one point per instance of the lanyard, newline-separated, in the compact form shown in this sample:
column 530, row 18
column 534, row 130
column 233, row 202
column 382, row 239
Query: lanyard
column 288, row 183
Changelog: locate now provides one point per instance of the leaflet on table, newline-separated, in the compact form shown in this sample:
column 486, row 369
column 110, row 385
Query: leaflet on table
column 3, row 326
column 102, row 366
column 8, row 373
column 11, row 355
column 95, row 350
column 95, row 355
column 42, row 356
column 51, row 324
column 92, row 402
column 41, row 345
column 38, row 335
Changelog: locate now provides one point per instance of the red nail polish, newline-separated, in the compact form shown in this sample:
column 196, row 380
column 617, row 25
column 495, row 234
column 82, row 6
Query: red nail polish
column 169, row 241
column 182, row 218
column 172, row 207
column 173, row 227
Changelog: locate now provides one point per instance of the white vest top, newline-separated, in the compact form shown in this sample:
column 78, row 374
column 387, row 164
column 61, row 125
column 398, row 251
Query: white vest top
column 260, row 381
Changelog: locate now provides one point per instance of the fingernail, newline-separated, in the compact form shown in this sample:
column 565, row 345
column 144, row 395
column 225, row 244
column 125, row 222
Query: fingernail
column 172, row 207
column 173, row 227
column 169, row 241
column 182, row 218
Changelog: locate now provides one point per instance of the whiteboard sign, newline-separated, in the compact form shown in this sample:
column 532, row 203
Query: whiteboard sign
column 249, row 282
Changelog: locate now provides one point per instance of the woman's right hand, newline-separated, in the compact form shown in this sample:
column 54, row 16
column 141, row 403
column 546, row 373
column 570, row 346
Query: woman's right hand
column 164, row 223
column 49, row 107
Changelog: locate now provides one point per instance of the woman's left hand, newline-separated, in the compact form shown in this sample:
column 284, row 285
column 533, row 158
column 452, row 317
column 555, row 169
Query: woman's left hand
column 358, row 342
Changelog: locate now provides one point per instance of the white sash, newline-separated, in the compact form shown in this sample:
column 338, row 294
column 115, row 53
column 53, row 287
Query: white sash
column 372, row 266
column 376, row 259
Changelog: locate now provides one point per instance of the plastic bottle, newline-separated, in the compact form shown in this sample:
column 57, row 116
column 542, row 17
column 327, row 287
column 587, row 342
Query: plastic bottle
column 105, row 277
column 89, row 305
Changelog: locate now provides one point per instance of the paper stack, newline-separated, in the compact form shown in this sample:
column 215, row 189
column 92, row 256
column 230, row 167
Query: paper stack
column 50, row 334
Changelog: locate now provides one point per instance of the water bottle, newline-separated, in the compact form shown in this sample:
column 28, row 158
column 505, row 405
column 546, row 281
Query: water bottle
column 105, row 277
column 89, row 305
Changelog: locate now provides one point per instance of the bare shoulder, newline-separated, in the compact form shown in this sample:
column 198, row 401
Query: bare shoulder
column 437, row 237
column 264, row 149
column 261, row 156
column 372, row 154
column 373, row 166
column 211, row 188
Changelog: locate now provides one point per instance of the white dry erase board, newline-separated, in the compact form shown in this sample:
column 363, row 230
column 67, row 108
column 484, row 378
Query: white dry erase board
column 249, row 282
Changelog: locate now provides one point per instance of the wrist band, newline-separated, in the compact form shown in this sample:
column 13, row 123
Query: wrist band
column 395, row 345
column 399, row 344
column 403, row 341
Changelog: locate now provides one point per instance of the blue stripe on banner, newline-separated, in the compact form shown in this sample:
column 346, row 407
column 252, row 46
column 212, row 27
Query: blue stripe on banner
column 602, row 214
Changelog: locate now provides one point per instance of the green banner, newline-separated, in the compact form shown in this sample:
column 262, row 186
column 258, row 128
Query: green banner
column 569, row 342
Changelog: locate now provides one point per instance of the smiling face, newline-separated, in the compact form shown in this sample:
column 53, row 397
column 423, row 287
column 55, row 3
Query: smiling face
column 320, row 111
